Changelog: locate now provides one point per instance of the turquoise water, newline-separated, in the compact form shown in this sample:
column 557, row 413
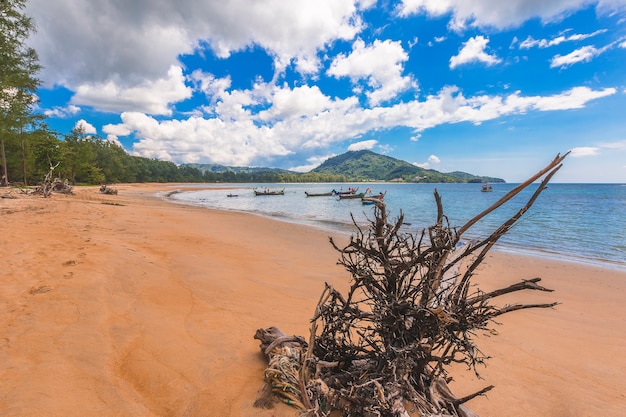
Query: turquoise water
column 581, row 222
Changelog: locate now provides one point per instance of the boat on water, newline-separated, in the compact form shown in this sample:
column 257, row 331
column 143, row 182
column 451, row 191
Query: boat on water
column 369, row 198
column 351, row 196
column 232, row 195
column 351, row 191
column 486, row 187
column 267, row 191
column 331, row 193
column 373, row 199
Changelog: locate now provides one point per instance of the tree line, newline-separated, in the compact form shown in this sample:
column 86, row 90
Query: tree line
column 89, row 159
column 29, row 149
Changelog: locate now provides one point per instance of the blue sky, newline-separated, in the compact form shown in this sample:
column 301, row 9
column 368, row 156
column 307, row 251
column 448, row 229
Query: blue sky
column 487, row 87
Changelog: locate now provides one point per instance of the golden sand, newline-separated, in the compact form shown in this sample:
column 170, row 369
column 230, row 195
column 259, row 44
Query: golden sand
column 130, row 305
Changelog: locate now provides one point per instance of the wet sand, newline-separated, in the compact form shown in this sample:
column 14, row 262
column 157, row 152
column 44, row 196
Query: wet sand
column 130, row 305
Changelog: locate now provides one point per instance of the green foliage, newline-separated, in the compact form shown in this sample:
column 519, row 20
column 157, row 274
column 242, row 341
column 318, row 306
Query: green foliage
column 18, row 84
column 367, row 165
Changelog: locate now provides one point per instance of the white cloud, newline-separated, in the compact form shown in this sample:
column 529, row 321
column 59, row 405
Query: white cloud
column 618, row 146
column 151, row 97
column 119, row 56
column 574, row 98
column 116, row 130
column 302, row 101
column 380, row 64
column 474, row 51
column 584, row 151
column 212, row 87
column 237, row 136
column 432, row 160
column 86, row 127
column 584, row 54
column 530, row 42
column 114, row 140
column 125, row 43
column 62, row 112
column 613, row 147
column 363, row 145
column 201, row 140
column 313, row 162
column 501, row 14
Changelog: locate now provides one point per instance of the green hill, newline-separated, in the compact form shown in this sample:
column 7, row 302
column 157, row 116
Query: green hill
column 350, row 166
column 370, row 166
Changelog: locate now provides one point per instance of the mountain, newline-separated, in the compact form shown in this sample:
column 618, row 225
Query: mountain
column 349, row 166
column 370, row 166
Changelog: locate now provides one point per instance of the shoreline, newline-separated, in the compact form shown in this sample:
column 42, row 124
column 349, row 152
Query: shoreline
column 130, row 305
column 343, row 228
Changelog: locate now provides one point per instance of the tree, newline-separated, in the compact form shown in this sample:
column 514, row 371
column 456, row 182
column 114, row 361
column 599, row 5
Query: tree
column 41, row 149
column 410, row 312
column 19, row 65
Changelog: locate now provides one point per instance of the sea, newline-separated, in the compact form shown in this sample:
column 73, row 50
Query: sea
column 573, row 222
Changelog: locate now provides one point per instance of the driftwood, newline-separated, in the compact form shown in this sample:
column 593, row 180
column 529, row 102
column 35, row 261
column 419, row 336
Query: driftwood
column 411, row 311
column 50, row 185
column 105, row 189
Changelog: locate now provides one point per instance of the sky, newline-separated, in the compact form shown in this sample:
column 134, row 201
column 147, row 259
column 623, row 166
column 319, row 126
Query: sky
column 488, row 87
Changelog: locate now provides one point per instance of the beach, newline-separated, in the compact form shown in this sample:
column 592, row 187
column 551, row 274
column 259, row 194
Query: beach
column 131, row 305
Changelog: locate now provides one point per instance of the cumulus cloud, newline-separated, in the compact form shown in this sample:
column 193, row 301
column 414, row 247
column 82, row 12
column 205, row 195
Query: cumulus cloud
column 127, row 57
column 474, row 51
column 213, row 88
column 302, row 101
column 119, row 56
column 432, row 160
column 500, row 15
column 313, row 162
column 153, row 97
column 62, row 112
column 85, row 127
column 379, row 64
column 114, row 140
column 363, row 145
column 204, row 140
column 243, row 140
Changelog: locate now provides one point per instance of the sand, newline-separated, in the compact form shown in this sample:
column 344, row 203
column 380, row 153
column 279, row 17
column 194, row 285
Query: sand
column 130, row 305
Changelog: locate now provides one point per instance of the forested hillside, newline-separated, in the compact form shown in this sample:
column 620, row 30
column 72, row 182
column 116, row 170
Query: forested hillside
column 370, row 166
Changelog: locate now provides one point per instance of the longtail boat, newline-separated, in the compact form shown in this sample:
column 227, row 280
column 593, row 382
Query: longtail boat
column 351, row 190
column 267, row 191
column 351, row 196
column 333, row 192
column 373, row 199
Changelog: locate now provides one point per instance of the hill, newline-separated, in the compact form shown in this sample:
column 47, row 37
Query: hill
column 350, row 166
column 370, row 166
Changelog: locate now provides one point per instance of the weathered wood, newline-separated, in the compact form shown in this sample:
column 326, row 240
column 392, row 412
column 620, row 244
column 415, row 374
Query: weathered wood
column 410, row 312
column 105, row 189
